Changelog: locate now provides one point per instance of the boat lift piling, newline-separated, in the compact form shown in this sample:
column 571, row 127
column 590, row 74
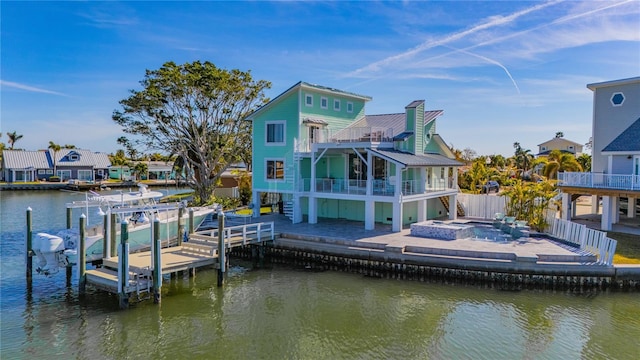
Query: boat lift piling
column 180, row 225
column 29, row 243
column 123, row 265
column 221, row 249
column 157, row 262
column 82, row 264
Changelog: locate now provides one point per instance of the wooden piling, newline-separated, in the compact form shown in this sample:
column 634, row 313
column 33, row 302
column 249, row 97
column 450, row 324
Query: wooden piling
column 180, row 226
column 29, row 243
column 157, row 262
column 114, row 234
column 105, row 236
column 69, row 212
column 82, row 263
column 221, row 249
column 123, row 265
column 191, row 226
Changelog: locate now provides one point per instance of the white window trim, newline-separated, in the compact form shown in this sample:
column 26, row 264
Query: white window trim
column 284, row 133
column 308, row 96
column 338, row 103
column 325, row 100
column 266, row 167
column 614, row 94
column 349, row 106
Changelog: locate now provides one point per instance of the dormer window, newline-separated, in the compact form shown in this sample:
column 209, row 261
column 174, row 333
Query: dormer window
column 74, row 157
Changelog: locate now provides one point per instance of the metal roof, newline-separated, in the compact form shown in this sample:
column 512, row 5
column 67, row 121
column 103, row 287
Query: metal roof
column 613, row 83
column 403, row 136
column 21, row 159
column 627, row 141
column 408, row 159
column 86, row 158
column 308, row 120
column 392, row 121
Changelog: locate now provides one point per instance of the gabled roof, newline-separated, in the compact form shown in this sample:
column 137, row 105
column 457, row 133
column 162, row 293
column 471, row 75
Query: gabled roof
column 627, row 141
column 86, row 158
column 392, row 121
column 408, row 159
column 20, row 159
column 300, row 85
column 556, row 139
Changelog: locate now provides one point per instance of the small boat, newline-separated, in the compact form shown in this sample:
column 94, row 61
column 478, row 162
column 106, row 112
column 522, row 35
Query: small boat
column 138, row 208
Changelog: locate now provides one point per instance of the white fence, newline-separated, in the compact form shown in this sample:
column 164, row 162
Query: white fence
column 588, row 239
column 482, row 206
column 594, row 241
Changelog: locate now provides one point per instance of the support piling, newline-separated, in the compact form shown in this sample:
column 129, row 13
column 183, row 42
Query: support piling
column 221, row 249
column 123, row 265
column 157, row 266
column 82, row 263
column 29, row 243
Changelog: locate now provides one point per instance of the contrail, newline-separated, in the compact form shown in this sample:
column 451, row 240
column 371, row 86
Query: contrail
column 29, row 88
column 495, row 21
column 488, row 60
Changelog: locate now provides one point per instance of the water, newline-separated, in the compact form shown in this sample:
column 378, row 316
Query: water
column 286, row 313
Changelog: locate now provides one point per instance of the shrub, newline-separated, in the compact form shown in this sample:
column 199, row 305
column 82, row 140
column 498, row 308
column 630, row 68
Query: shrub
column 54, row 179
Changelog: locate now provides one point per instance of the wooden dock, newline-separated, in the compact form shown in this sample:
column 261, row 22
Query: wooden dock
column 199, row 251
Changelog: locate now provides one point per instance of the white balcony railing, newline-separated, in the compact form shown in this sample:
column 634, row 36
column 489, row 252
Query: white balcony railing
column 599, row 180
column 346, row 135
column 378, row 187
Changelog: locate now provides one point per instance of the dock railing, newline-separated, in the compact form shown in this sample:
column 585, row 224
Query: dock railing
column 239, row 235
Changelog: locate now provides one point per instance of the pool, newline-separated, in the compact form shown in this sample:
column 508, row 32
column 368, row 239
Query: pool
column 451, row 230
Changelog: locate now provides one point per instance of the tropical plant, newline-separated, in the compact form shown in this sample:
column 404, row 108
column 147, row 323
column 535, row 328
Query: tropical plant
column 140, row 169
column 196, row 111
column 523, row 159
column 13, row 137
column 55, row 148
column 585, row 162
column 558, row 161
column 530, row 202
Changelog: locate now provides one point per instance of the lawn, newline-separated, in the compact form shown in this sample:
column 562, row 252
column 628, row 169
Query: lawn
column 628, row 248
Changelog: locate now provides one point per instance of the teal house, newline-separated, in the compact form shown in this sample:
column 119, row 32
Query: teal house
column 317, row 152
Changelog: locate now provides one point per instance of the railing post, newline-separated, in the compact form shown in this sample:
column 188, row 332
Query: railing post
column 157, row 262
column 82, row 262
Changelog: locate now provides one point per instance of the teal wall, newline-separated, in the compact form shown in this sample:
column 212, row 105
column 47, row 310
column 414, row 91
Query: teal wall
column 285, row 109
column 409, row 213
column 384, row 211
column 431, row 146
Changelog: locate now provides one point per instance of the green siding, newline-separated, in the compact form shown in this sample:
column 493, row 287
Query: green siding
column 409, row 213
column 286, row 109
column 432, row 146
column 336, row 167
column 410, row 120
column 384, row 211
column 419, row 132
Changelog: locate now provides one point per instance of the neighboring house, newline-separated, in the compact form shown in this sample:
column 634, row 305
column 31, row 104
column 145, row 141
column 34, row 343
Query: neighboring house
column 24, row 166
column 318, row 154
column 615, row 160
column 562, row 144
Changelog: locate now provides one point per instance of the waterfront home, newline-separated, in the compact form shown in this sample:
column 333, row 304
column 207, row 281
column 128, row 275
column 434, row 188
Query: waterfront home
column 79, row 164
column 317, row 154
column 615, row 164
column 559, row 143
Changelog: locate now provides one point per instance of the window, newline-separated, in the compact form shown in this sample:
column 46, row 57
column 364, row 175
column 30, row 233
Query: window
column 274, row 134
column 336, row 105
column 42, row 171
column 324, row 102
column 349, row 107
column 74, row 157
column 308, row 100
column 275, row 170
column 544, row 148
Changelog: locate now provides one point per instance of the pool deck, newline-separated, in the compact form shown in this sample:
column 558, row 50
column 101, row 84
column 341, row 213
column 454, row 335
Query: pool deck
column 525, row 255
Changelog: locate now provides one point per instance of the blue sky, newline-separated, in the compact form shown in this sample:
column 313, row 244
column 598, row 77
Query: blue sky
column 502, row 71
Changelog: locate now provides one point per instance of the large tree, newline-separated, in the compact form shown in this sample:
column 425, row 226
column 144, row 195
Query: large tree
column 196, row 111
column 55, row 148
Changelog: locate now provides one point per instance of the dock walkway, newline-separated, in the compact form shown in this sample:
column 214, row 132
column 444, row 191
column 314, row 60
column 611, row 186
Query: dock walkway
column 199, row 251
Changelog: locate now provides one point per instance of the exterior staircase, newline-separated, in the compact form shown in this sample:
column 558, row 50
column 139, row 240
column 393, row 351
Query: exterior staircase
column 288, row 209
column 445, row 201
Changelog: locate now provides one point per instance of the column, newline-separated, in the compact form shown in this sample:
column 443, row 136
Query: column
column 605, row 224
column 313, row 206
column 595, row 204
column 631, row 207
column 422, row 210
column 256, row 203
column 396, row 224
column 369, row 184
column 566, row 206
column 453, row 207
column 615, row 209
column 369, row 214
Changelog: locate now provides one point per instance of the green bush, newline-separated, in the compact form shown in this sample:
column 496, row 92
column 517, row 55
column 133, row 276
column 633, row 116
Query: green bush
column 54, row 179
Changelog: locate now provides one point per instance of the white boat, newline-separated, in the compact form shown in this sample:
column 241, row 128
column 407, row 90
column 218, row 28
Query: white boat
column 138, row 208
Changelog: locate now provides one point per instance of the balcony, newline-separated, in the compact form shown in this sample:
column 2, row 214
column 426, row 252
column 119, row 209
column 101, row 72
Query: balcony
column 369, row 134
column 378, row 187
column 599, row 181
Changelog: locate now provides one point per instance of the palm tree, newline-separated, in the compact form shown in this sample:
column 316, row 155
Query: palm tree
column 13, row 137
column 559, row 161
column 55, row 147
column 585, row 162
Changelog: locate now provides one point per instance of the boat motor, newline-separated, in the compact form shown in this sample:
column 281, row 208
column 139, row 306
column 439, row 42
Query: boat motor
column 50, row 252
